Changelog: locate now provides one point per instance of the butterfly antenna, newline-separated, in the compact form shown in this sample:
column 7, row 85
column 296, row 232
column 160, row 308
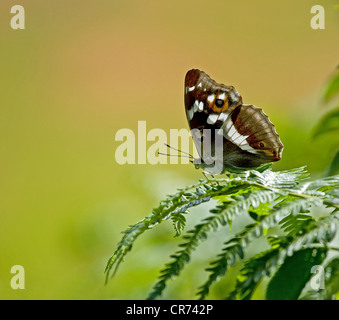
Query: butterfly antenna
column 189, row 155
column 174, row 155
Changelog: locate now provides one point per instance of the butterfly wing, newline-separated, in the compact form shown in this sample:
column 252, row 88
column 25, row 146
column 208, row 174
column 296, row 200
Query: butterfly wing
column 207, row 105
column 206, row 102
column 251, row 138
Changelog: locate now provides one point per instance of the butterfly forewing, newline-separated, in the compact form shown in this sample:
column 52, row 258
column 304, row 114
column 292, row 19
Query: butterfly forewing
column 206, row 101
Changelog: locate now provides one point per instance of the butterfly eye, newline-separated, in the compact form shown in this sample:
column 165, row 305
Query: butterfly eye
column 219, row 103
column 261, row 144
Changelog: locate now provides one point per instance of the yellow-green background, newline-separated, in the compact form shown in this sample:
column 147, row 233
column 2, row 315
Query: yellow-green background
column 80, row 71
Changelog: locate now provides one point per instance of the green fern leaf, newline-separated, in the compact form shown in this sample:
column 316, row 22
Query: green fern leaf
column 179, row 222
column 297, row 269
column 251, row 274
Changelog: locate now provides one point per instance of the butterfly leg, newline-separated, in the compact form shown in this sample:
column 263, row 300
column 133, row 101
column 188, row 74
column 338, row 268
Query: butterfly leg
column 204, row 173
column 214, row 178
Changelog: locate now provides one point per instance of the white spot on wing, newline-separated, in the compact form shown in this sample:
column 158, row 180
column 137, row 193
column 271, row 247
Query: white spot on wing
column 239, row 140
column 228, row 125
column 191, row 88
column 195, row 106
column 222, row 117
column 244, row 142
column 249, row 149
column 190, row 114
column 235, row 137
column 201, row 106
column 222, row 96
column 231, row 131
column 212, row 118
column 210, row 98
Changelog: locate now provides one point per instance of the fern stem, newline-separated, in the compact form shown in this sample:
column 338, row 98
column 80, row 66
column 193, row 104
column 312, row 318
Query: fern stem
column 285, row 192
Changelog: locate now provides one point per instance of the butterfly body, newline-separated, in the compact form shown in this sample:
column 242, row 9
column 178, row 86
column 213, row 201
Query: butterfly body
column 247, row 137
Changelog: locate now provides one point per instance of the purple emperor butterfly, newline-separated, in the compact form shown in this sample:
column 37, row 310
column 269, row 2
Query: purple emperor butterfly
column 247, row 138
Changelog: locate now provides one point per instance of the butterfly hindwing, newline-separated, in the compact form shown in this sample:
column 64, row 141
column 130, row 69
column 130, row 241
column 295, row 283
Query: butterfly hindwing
column 253, row 138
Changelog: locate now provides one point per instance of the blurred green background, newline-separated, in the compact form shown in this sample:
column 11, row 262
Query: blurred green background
column 80, row 71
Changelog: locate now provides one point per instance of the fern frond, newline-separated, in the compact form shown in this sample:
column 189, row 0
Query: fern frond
column 233, row 248
column 251, row 274
column 287, row 206
column 227, row 211
column 271, row 198
column 175, row 204
column 179, row 222
column 261, row 265
column 294, row 223
column 241, row 241
column 287, row 179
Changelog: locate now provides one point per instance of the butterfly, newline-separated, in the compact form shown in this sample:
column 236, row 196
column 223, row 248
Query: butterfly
column 228, row 134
